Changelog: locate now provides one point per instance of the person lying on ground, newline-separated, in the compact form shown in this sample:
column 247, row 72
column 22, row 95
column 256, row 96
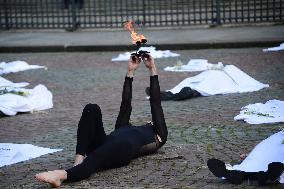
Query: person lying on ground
column 184, row 94
column 227, row 80
column 263, row 164
column 96, row 151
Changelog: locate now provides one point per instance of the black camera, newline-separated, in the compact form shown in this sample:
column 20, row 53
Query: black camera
column 140, row 54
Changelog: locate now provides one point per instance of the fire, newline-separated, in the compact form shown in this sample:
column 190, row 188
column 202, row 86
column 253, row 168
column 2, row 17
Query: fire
column 135, row 37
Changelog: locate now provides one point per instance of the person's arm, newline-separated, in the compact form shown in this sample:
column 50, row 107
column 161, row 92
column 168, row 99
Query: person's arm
column 125, row 107
column 158, row 119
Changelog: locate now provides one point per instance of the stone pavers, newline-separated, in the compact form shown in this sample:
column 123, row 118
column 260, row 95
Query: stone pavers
column 198, row 128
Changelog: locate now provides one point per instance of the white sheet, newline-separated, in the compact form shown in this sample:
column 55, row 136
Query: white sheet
column 279, row 48
column 195, row 65
column 268, row 151
column 6, row 83
column 16, row 66
column 154, row 53
column 38, row 98
column 13, row 153
column 270, row 112
column 228, row 80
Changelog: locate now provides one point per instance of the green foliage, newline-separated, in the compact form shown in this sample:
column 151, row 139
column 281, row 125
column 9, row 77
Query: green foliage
column 5, row 91
column 257, row 113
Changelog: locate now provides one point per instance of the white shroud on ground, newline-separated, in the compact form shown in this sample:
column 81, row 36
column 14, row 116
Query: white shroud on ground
column 38, row 98
column 6, row 83
column 270, row 112
column 230, row 79
column 16, row 66
column 279, row 48
column 267, row 151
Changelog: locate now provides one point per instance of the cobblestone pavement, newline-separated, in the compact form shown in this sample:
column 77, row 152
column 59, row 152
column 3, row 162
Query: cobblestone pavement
column 198, row 128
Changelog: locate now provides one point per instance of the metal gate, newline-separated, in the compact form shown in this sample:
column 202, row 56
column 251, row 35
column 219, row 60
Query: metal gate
column 73, row 14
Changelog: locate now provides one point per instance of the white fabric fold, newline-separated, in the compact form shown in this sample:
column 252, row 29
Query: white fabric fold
column 14, row 153
column 279, row 48
column 16, row 66
column 154, row 53
column 6, row 83
column 228, row 80
column 195, row 65
column 267, row 151
column 270, row 112
column 38, row 98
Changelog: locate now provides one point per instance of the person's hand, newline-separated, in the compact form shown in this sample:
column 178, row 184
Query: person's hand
column 150, row 64
column 148, row 61
column 133, row 64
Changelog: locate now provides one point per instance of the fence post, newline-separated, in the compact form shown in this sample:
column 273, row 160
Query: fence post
column 144, row 13
column 74, row 18
column 6, row 15
column 218, row 13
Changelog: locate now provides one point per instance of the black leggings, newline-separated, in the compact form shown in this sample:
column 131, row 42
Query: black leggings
column 91, row 141
column 104, row 152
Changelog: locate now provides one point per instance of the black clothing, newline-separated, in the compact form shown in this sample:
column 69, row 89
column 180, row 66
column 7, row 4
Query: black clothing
column 218, row 168
column 125, row 142
column 185, row 93
column 80, row 3
column 2, row 114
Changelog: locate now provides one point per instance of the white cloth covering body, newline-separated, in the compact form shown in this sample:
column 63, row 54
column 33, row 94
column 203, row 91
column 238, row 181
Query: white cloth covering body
column 16, row 66
column 270, row 112
column 13, row 153
column 230, row 79
column 6, row 83
column 267, row 151
column 154, row 53
column 38, row 98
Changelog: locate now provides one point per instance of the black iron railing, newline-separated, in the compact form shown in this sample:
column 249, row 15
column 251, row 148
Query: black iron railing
column 73, row 14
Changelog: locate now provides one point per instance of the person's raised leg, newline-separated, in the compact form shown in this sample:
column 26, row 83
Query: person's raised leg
column 90, row 133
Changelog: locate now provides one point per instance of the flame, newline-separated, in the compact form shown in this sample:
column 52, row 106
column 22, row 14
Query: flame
column 135, row 37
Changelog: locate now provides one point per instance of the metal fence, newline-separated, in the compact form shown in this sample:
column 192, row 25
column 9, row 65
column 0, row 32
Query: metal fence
column 73, row 14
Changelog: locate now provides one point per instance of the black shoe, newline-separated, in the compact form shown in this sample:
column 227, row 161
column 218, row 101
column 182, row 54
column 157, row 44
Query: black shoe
column 275, row 169
column 218, row 169
column 2, row 114
column 147, row 91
